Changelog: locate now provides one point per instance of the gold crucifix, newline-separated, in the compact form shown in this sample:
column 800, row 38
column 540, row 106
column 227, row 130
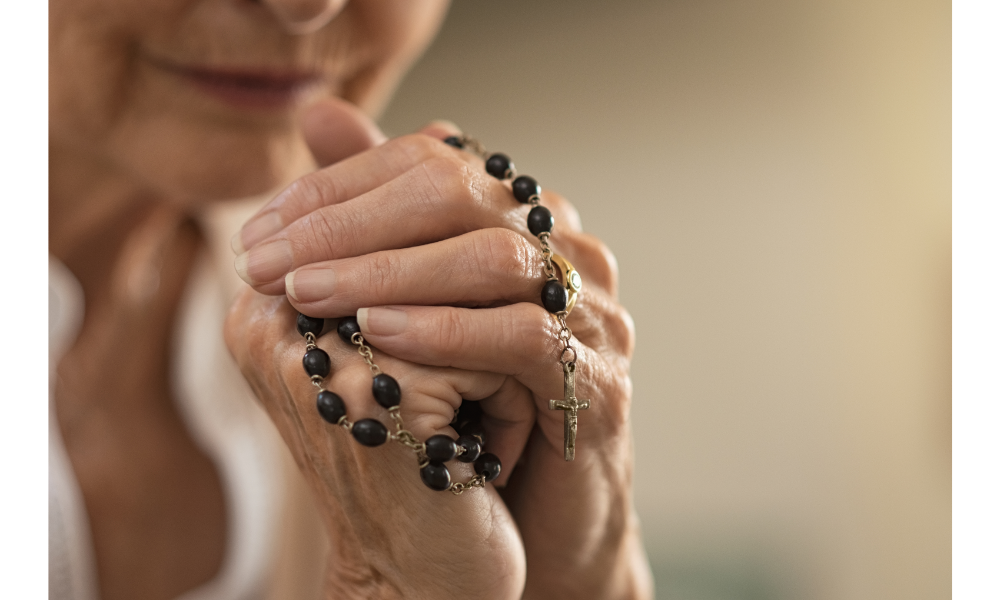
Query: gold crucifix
column 570, row 405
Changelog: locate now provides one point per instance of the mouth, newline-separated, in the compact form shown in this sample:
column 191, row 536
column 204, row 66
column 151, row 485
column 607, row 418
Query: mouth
column 248, row 88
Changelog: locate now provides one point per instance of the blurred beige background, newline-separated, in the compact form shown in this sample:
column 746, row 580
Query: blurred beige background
column 774, row 177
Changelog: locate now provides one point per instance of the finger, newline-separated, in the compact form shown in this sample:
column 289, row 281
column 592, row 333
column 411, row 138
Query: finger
column 440, row 129
column 482, row 267
column 343, row 180
column 520, row 340
column 508, row 418
column 488, row 267
column 335, row 129
column 440, row 198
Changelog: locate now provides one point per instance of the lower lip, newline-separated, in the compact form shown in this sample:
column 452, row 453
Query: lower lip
column 262, row 93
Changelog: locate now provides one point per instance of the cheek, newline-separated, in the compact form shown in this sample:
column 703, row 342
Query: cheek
column 105, row 102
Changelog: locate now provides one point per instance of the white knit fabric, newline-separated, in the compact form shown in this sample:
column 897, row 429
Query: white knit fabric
column 223, row 419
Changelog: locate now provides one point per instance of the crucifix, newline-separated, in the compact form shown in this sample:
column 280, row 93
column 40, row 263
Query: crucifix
column 570, row 405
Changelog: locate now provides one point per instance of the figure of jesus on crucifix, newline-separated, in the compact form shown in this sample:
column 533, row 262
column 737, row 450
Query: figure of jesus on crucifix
column 570, row 405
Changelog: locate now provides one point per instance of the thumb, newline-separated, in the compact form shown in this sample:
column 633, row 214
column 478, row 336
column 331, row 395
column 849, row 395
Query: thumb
column 335, row 129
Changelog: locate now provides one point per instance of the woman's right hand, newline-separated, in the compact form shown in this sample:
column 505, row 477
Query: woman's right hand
column 391, row 536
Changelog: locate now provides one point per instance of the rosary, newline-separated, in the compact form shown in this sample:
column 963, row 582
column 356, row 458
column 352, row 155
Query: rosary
column 558, row 297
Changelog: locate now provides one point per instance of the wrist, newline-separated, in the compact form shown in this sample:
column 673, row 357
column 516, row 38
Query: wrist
column 617, row 571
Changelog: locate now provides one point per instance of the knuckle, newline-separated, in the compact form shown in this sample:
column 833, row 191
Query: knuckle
column 566, row 214
column 452, row 334
column 454, row 181
column 620, row 400
column 418, row 147
column 612, row 384
column 504, row 253
column 624, row 326
column 381, row 273
column 303, row 195
column 601, row 262
column 323, row 234
column 525, row 329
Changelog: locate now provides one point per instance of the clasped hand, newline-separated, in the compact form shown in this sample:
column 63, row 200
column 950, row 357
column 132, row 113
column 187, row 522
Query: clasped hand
column 434, row 257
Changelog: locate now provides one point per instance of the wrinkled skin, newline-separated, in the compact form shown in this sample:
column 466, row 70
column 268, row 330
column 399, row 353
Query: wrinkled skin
column 136, row 150
column 418, row 226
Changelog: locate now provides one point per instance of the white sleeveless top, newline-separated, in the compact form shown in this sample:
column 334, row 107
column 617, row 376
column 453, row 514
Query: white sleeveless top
column 224, row 420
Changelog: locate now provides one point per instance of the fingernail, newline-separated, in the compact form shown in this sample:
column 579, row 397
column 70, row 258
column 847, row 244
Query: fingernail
column 381, row 321
column 309, row 285
column 259, row 228
column 265, row 263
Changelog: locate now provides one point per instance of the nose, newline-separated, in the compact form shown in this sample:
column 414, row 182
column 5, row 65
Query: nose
column 304, row 16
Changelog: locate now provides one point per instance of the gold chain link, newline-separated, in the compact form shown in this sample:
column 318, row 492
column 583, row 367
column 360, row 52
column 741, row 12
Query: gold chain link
column 458, row 487
column 474, row 146
column 566, row 337
column 549, row 266
column 366, row 353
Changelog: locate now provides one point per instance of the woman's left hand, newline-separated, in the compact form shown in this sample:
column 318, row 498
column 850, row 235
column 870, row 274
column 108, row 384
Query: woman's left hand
column 435, row 257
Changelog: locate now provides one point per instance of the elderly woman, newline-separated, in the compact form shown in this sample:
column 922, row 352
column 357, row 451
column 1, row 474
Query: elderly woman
column 165, row 479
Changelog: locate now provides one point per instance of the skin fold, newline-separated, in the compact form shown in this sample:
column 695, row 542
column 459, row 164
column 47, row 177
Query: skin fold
column 137, row 146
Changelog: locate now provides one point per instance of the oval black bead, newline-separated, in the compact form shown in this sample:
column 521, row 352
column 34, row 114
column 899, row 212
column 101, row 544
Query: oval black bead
column 436, row 476
column 386, row 390
column 347, row 327
column 454, row 141
column 316, row 362
column 540, row 220
column 472, row 448
column 331, row 406
column 440, row 448
column 524, row 188
column 370, row 432
column 308, row 325
column 488, row 465
column 554, row 296
column 498, row 165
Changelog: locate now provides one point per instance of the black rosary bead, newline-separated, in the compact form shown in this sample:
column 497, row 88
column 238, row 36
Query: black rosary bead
column 435, row 476
column 316, row 362
column 525, row 188
column 440, row 448
column 499, row 166
column 540, row 220
column 554, row 296
column 346, row 329
column 454, row 141
column 472, row 448
column 370, row 432
column 308, row 325
column 331, row 406
column 488, row 465
column 386, row 390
